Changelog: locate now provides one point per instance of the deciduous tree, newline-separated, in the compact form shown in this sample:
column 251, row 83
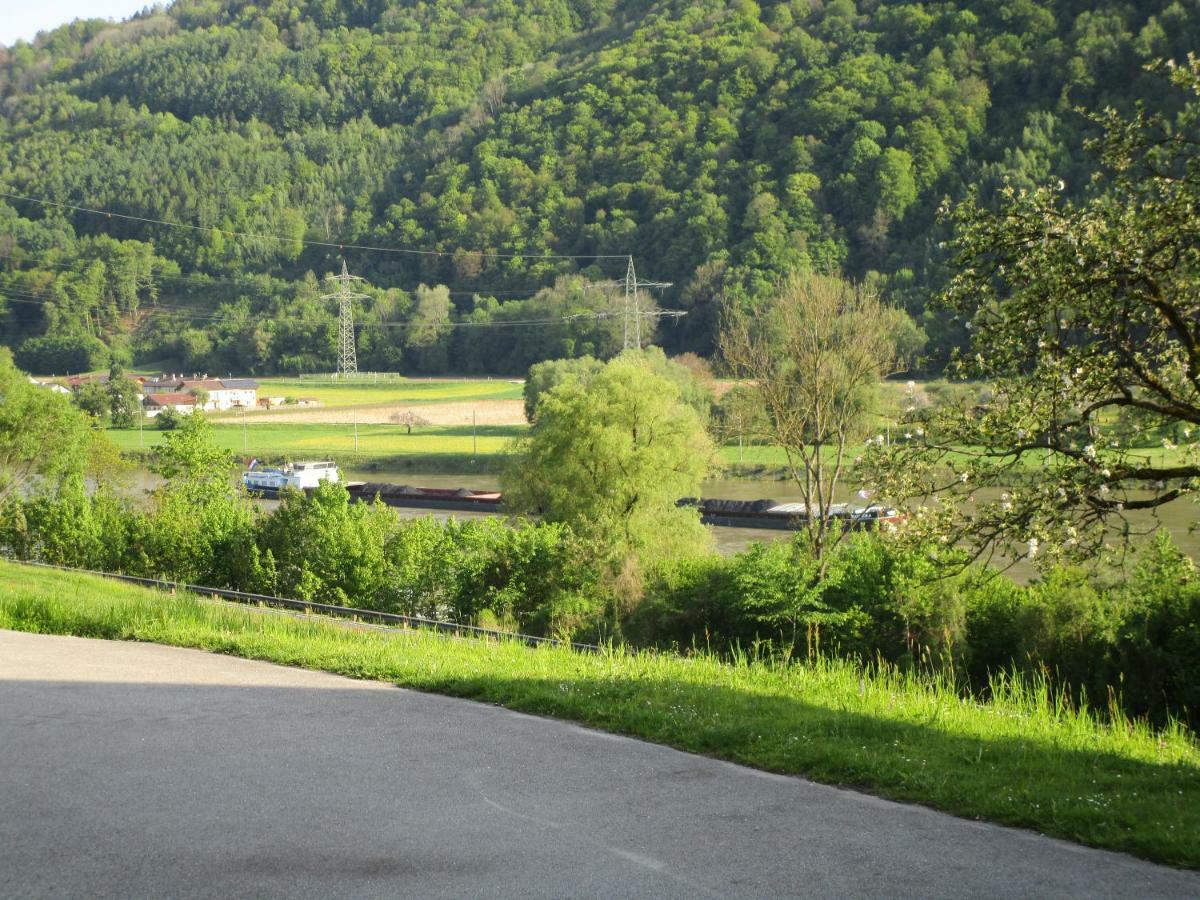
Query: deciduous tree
column 1086, row 319
column 611, row 456
column 814, row 363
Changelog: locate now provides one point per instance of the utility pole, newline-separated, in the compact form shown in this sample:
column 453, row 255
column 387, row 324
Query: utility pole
column 347, row 358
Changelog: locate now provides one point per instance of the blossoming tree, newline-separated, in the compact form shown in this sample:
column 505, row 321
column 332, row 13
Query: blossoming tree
column 1085, row 317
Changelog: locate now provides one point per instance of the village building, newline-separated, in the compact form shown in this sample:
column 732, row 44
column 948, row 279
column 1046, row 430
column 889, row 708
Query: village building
column 75, row 382
column 52, row 386
column 223, row 394
column 179, row 402
column 239, row 392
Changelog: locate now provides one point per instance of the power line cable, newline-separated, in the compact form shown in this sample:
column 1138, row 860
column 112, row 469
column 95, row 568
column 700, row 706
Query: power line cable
column 173, row 314
column 250, row 282
column 290, row 240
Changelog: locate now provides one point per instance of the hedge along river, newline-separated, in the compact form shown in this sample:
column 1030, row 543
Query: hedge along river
column 728, row 540
column 1178, row 518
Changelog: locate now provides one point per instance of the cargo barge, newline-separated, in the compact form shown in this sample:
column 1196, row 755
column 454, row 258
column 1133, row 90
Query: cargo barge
column 788, row 516
column 271, row 482
column 459, row 499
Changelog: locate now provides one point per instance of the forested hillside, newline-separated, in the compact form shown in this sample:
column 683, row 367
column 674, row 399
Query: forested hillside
column 719, row 143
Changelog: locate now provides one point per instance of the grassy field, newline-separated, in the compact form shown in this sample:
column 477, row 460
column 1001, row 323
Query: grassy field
column 374, row 442
column 380, row 443
column 1022, row 759
column 334, row 395
column 390, row 444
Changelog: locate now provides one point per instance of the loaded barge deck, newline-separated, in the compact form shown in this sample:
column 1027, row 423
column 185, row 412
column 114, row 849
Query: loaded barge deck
column 727, row 513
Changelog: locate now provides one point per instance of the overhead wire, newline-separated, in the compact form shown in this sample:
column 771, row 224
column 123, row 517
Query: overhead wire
column 190, row 314
column 303, row 241
column 197, row 316
column 250, row 280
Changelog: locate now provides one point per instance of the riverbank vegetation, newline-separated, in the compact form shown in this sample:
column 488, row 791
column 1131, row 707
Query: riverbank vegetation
column 1022, row 758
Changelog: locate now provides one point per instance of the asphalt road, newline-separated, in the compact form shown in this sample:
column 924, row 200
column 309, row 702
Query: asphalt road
column 132, row 770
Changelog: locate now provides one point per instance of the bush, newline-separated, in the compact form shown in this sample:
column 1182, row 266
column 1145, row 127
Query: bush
column 168, row 419
column 517, row 575
column 325, row 548
column 689, row 602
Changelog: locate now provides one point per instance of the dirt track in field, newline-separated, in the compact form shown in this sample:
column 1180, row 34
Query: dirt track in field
column 486, row 412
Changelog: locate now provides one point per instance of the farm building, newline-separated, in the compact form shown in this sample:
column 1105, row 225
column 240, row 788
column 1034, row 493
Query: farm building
column 181, row 403
column 240, row 392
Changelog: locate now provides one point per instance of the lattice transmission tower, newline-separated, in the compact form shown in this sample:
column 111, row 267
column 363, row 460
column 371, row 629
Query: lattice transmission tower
column 633, row 311
column 347, row 357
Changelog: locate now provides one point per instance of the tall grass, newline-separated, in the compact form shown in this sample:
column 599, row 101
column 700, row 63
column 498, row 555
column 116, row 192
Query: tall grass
column 1024, row 758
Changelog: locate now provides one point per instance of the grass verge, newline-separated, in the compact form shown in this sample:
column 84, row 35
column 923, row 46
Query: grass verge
column 1022, row 759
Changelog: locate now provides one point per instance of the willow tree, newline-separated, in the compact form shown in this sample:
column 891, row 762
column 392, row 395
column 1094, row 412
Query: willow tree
column 610, row 455
column 1086, row 322
column 813, row 363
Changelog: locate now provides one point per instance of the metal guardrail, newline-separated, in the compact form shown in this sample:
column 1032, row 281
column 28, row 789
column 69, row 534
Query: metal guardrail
column 346, row 612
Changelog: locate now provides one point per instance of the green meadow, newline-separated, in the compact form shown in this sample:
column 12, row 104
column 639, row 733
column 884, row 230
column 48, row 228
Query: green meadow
column 373, row 442
column 1024, row 758
column 435, row 444
column 405, row 390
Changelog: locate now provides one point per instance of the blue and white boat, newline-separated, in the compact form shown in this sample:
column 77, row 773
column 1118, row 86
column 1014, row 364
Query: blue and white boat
column 270, row 482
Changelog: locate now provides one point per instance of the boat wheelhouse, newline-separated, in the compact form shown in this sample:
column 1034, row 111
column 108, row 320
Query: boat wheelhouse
column 302, row 476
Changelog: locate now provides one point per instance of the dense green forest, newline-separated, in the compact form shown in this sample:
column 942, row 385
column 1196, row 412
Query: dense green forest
column 525, row 147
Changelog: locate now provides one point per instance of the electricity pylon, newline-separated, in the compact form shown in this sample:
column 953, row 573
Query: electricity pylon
column 347, row 357
column 634, row 312
column 631, row 312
